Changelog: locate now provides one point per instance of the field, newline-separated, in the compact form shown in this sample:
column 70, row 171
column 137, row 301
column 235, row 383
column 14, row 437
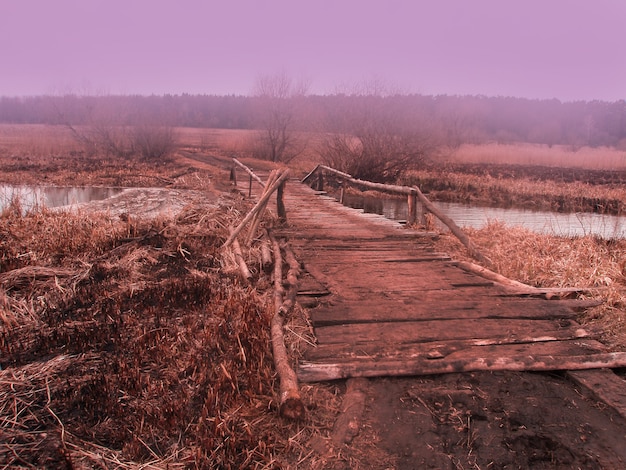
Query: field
column 130, row 341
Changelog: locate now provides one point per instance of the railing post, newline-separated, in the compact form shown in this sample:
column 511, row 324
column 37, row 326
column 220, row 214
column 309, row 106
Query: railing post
column 250, row 187
column 343, row 190
column 280, row 203
column 233, row 176
column 320, row 180
column 412, row 207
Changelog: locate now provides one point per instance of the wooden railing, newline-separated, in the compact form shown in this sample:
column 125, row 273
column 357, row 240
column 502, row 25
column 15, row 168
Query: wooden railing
column 413, row 194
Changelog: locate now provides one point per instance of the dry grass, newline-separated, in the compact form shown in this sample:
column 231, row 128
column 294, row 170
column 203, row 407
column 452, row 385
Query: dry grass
column 523, row 192
column 551, row 261
column 603, row 158
column 129, row 343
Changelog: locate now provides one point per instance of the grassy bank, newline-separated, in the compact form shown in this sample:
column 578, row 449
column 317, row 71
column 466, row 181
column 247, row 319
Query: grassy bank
column 551, row 261
column 132, row 343
column 524, row 192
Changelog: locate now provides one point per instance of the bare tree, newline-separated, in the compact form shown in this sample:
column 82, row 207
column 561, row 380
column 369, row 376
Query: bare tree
column 110, row 126
column 379, row 139
column 277, row 97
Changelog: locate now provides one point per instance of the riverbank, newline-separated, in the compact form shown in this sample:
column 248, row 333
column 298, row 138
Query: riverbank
column 597, row 266
column 524, row 187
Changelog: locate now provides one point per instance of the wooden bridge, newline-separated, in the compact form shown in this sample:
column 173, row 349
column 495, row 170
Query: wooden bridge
column 383, row 302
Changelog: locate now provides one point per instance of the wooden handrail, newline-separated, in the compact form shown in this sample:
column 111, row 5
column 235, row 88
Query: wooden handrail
column 413, row 192
column 249, row 171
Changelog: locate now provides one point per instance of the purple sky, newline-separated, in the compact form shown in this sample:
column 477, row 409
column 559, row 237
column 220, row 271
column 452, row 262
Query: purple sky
column 566, row 49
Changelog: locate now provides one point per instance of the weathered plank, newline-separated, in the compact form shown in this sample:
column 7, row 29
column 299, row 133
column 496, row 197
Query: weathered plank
column 443, row 308
column 432, row 330
column 545, row 345
column 313, row 372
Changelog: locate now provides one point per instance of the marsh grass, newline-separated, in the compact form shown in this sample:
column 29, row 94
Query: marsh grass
column 520, row 192
column 552, row 261
column 131, row 343
column 602, row 158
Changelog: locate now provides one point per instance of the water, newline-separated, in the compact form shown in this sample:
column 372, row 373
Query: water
column 50, row 196
column 552, row 223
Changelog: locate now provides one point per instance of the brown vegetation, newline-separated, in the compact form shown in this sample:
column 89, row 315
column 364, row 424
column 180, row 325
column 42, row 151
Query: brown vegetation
column 549, row 261
column 129, row 342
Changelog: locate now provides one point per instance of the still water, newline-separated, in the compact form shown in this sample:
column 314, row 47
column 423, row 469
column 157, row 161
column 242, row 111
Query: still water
column 31, row 197
column 553, row 223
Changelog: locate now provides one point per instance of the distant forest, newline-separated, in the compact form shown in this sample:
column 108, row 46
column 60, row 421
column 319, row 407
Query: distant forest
column 453, row 119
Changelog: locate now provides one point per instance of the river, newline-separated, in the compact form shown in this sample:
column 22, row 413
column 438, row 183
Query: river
column 31, row 197
column 552, row 223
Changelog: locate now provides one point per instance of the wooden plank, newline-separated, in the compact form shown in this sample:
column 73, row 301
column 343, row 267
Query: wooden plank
column 605, row 385
column 444, row 308
column 432, row 330
column 556, row 344
column 314, row 372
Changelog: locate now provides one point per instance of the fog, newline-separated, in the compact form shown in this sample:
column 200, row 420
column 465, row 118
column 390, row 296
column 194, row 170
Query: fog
column 563, row 49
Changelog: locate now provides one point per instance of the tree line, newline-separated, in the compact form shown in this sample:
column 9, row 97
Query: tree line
column 453, row 119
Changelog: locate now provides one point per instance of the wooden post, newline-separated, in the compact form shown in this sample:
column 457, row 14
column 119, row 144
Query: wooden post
column 412, row 207
column 280, row 203
column 343, row 190
column 250, row 187
column 233, row 176
column 320, row 180
column 259, row 205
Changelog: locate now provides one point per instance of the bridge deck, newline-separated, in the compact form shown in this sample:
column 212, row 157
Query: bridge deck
column 387, row 304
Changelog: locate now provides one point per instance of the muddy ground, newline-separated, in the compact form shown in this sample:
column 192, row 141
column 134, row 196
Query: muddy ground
column 503, row 420
column 482, row 420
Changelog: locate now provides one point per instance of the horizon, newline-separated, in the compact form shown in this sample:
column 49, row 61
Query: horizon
column 566, row 50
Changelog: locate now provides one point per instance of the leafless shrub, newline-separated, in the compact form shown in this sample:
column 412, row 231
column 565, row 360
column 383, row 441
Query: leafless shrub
column 153, row 142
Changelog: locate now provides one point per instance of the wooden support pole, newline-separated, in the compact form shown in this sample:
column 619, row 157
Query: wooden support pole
column 412, row 208
column 280, row 203
column 320, row 180
column 454, row 228
column 259, row 205
column 233, row 176
column 250, row 187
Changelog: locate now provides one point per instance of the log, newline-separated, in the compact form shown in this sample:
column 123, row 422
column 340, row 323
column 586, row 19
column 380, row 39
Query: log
column 291, row 405
column 256, row 220
column 493, row 276
column 519, row 288
column 311, row 372
column 266, row 256
column 292, row 278
column 347, row 424
column 259, row 205
column 243, row 267
column 454, row 228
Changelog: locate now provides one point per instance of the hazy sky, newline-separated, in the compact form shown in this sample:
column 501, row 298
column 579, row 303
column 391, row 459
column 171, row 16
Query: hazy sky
column 566, row 49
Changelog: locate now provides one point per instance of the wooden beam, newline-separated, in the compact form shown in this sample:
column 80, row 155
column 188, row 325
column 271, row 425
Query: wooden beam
column 311, row 372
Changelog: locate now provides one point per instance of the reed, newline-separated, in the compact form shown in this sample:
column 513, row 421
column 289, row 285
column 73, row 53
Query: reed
column 521, row 192
column 130, row 342
column 552, row 261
